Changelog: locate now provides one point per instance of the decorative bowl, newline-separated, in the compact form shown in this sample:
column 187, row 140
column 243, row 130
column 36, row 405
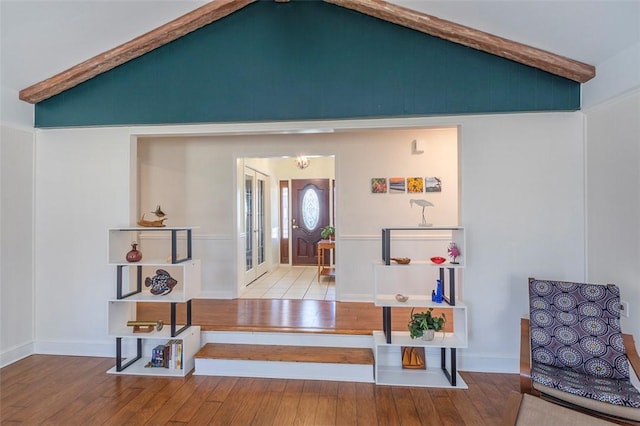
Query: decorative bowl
column 438, row 260
column 401, row 260
column 401, row 297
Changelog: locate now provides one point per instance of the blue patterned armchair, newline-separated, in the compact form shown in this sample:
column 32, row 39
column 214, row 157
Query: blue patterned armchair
column 573, row 352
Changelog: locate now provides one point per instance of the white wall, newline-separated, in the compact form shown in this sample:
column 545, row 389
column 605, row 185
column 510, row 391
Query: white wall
column 82, row 189
column 190, row 178
column 522, row 202
column 16, row 248
column 613, row 220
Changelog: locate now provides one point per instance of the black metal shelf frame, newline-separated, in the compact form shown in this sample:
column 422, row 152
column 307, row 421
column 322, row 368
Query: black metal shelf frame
column 450, row 300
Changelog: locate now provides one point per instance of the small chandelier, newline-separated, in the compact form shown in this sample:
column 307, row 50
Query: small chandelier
column 302, row 162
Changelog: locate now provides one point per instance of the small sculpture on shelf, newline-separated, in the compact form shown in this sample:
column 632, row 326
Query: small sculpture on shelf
column 413, row 358
column 423, row 204
column 437, row 295
column 454, row 252
column 145, row 326
column 401, row 298
column 158, row 212
column 161, row 284
column 158, row 223
column 134, row 255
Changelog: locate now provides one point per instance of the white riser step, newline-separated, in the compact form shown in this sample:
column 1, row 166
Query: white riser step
column 285, row 370
column 294, row 339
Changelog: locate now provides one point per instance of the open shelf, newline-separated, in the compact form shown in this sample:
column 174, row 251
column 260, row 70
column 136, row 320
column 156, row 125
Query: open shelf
column 190, row 343
column 416, row 281
column 164, row 250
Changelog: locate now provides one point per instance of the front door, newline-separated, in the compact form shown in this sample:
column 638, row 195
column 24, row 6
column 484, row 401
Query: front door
column 309, row 214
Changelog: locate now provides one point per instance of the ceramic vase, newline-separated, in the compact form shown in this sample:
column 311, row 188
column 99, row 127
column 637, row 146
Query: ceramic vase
column 134, row 255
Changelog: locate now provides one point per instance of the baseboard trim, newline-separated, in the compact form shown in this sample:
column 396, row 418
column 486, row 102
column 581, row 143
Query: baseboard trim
column 16, row 353
column 98, row 349
column 483, row 363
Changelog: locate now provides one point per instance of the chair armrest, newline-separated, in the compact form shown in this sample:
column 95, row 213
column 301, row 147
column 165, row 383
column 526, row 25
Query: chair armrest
column 525, row 357
column 632, row 353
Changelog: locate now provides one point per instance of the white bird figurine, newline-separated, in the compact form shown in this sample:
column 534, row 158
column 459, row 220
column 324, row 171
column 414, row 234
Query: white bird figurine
column 423, row 204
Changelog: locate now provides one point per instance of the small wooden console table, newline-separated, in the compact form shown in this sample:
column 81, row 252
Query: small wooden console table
column 322, row 268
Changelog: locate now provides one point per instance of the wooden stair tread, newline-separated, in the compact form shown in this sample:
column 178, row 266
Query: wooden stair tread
column 284, row 353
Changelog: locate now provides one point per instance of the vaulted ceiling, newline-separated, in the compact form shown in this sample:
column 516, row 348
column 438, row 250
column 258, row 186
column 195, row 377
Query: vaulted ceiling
column 40, row 39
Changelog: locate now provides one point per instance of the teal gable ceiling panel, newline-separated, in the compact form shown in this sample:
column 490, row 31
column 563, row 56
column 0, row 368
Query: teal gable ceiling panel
column 275, row 61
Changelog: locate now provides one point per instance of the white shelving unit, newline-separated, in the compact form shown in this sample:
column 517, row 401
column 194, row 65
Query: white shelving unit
column 130, row 289
column 389, row 371
column 416, row 281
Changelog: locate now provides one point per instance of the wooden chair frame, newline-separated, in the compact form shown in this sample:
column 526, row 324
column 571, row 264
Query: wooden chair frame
column 526, row 385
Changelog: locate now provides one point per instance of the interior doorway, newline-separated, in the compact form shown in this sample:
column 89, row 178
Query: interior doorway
column 282, row 208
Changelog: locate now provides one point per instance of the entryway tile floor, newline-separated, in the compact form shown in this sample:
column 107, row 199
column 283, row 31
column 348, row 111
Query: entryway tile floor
column 292, row 282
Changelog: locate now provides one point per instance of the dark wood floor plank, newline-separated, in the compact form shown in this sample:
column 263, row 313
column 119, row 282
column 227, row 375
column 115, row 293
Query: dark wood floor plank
column 288, row 407
column 487, row 398
column 235, row 401
column 175, row 397
column 427, row 411
column 326, row 410
column 268, row 409
column 405, row 404
column 134, row 411
column 449, row 414
column 222, row 389
column 385, row 406
column 346, row 403
column 253, row 394
column 366, row 404
column 206, row 413
column 193, row 404
column 306, row 412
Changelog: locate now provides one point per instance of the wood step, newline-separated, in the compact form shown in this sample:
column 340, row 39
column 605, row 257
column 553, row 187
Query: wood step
column 286, row 362
column 284, row 353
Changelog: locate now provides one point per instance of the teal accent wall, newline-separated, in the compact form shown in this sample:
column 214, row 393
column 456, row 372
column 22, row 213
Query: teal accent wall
column 305, row 60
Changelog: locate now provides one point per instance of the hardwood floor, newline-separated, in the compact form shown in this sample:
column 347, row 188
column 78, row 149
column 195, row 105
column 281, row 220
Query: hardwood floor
column 282, row 315
column 65, row 390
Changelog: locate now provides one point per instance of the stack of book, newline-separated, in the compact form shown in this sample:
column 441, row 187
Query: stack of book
column 168, row 355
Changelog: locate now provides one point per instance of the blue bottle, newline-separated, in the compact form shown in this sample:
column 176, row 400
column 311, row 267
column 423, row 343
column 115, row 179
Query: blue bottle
column 437, row 297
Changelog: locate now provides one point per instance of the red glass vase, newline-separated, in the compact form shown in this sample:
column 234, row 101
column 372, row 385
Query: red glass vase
column 134, row 255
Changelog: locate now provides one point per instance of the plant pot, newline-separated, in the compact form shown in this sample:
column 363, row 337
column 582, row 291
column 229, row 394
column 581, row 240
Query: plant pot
column 429, row 334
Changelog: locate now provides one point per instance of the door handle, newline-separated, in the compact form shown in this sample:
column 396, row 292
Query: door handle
column 293, row 224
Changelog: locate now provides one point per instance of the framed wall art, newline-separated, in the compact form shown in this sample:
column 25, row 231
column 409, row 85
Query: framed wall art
column 397, row 185
column 378, row 185
column 433, row 184
column 415, row 185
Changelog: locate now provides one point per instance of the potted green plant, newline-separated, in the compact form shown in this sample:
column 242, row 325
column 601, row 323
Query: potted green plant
column 424, row 325
column 328, row 232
